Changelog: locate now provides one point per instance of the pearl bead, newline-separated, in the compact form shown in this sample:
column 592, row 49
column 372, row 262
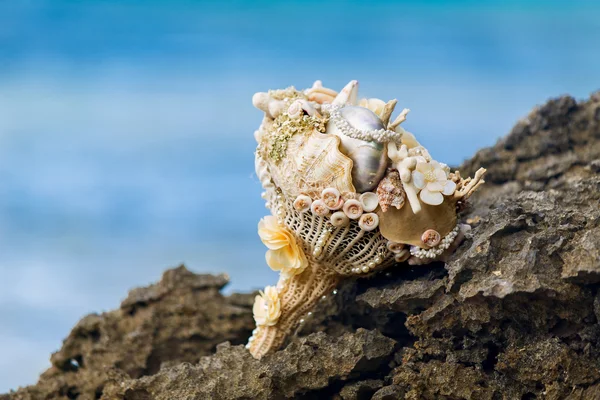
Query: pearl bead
column 365, row 269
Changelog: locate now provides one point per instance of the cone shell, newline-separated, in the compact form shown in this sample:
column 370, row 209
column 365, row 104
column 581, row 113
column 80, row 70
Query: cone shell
column 390, row 191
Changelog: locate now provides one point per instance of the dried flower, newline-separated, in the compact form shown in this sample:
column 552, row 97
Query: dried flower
column 432, row 180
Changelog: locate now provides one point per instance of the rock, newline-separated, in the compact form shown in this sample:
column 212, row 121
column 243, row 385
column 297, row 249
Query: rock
column 361, row 390
column 179, row 319
column 514, row 314
column 303, row 368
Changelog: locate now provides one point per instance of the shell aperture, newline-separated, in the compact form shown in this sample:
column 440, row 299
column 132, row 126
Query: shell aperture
column 369, row 157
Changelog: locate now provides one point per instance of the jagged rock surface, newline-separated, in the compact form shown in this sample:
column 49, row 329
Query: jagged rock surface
column 513, row 315
column 179, row 319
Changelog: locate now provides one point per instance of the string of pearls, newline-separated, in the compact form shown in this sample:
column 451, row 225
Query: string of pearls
column 322, row 240
column 439, row 249
column 380, row 135
column 371, row 265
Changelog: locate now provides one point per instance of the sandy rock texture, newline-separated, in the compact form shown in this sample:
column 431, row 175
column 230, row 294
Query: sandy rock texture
column 513, row 315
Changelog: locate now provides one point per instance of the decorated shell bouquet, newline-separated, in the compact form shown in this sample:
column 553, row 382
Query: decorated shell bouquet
column 350, row 193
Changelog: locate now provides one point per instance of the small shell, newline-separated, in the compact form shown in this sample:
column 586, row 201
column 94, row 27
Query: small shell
column 395, row 247
column 337, row 206
column 320, row 94
column 331, row 198
column 402, row 256
column 348, row 95
column 431, row 238
column 302, row 203
column 338, row 219
column 390, row 191
column 295, row 110
column 368, row 221
column 369, row 201
column 319, row 208
column 353, row 209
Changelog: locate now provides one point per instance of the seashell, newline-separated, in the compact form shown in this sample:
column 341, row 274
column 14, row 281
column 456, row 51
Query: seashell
column 318, row 207
column 370, row 158
column 338, row 205
column 375, row 105
column 369, row 201
column 325, row 245
column 348, row 95
column 402, row 255
column 309, row 108
column 368, row 221
column 331, row 197
column 390, row 191
column 339, row 219
column 431, row 238
column 302, row 203
column 320, row 94
column 312, row 163
column 295, row 110
column 299, row 107
column 321, row 98
column 353, row 209
column 394, row 247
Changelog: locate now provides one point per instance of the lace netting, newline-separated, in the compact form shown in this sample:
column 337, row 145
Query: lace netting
column 347, row 248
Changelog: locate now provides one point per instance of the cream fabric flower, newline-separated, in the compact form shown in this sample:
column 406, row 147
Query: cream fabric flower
column 432, row 180
column 375, row 105
column 284, row 254
column 267, row 307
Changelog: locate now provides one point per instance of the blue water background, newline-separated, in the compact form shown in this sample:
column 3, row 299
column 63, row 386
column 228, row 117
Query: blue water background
column 126, row 127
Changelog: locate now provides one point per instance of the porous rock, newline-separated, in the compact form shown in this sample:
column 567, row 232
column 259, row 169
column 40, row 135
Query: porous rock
column 514, row 314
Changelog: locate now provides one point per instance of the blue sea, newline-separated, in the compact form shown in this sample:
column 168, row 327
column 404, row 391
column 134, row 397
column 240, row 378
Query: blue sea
column 126, row 127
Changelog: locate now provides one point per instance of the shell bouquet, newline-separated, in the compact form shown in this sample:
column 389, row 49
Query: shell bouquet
column 350, row 193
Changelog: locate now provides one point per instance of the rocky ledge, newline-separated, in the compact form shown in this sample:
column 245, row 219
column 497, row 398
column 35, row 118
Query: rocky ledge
column 513, row 315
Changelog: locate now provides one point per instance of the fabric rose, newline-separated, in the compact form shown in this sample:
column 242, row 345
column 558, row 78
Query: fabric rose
column 267, row 307
column 284, row 254
column 432, row 180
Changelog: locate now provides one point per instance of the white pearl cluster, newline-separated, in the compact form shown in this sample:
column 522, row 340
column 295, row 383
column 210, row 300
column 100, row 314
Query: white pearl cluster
column 380, row 135
column 439, row 249
column 371, row 265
